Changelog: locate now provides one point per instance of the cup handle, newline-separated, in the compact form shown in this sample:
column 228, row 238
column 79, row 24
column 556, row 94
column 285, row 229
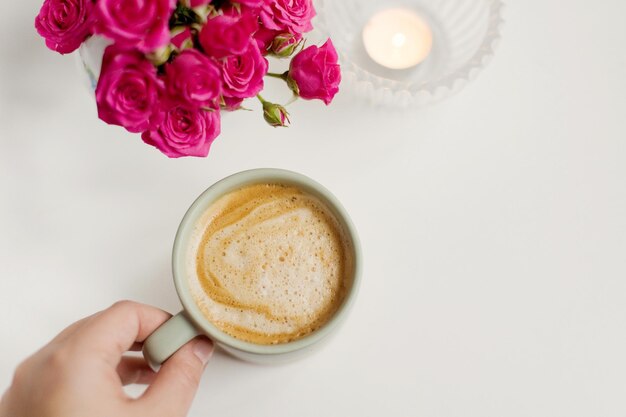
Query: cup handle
column 167, row 339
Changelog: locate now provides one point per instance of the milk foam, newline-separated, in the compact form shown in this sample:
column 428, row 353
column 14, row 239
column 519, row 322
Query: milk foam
column 268, row 263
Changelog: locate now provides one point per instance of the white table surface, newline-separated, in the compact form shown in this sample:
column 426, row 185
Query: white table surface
column 493, row 226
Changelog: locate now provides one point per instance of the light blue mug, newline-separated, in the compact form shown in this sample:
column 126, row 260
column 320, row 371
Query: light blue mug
column 191, row 322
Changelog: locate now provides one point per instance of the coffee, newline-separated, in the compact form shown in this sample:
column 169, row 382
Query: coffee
column 272, row 263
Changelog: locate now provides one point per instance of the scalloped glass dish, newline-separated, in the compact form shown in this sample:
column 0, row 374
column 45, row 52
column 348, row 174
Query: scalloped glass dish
column 464, row 32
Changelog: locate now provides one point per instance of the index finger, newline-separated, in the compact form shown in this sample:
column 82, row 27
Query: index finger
column 114, row 330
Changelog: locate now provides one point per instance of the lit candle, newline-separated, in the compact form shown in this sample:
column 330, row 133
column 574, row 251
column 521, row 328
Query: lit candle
column 397, row 38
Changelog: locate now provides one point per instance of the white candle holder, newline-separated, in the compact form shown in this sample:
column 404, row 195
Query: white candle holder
column 464, row 36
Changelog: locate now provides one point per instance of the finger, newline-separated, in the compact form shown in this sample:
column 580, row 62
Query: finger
column 134, row 370
column 114, row 330
column 71, row 329
column 176, row 383
column 136, row 347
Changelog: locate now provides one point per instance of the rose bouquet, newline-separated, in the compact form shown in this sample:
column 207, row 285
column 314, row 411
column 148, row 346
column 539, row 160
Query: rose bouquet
column 173, row 66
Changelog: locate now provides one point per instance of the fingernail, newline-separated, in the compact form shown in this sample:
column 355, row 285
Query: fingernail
column 203, row 350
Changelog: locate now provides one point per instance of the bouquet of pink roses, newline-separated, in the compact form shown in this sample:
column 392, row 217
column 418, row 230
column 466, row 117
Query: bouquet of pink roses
column 174, row 65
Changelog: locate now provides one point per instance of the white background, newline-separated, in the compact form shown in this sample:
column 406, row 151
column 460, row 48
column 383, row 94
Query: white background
column 493, row 226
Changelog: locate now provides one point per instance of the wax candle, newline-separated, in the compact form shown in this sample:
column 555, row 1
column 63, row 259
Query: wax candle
column 397, row 38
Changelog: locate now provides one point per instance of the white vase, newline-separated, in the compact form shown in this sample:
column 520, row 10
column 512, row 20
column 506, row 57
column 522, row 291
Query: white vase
column 89, row 60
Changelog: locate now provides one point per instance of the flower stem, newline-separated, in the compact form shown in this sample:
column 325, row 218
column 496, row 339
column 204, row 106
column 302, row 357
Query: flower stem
column 282, row 76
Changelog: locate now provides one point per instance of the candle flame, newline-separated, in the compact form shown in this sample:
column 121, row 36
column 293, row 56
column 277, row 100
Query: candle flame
column 398, row 40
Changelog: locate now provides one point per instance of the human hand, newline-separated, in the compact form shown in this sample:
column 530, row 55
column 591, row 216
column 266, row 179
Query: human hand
column 82, row 370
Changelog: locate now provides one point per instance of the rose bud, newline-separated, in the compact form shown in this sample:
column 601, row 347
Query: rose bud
column 314, row 73
column 181, row 38
column 275, row 114
column 160, row 56
column 203, row 11
column 285, row 44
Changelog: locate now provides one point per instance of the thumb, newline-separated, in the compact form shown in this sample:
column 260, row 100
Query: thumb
column 176, row 383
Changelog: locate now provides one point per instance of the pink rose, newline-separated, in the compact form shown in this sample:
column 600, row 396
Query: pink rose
column 184, row 131
column 193, row 79
column 285, row 44
column 228, row 34
column 288, row 15
column 141, row 24
column 128, row 89
column 243, row 74
column 316, row 73
column 64, row 24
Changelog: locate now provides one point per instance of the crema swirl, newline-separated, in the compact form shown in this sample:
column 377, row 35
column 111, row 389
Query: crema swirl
column 272, row 263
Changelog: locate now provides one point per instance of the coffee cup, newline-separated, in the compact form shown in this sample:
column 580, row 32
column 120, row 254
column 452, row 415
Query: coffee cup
column 193, row 321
